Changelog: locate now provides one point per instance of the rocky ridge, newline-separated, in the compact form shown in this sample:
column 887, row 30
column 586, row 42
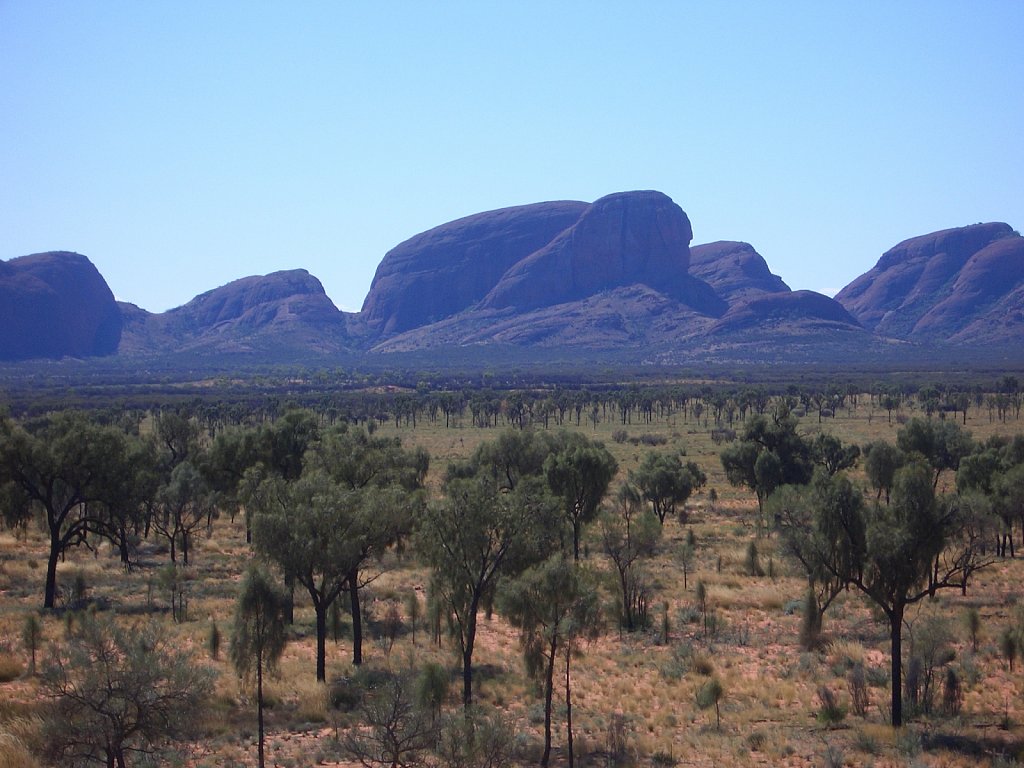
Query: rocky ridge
column 618, row 274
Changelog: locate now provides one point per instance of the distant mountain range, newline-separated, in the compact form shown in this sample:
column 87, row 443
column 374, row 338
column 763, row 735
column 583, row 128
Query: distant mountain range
column 614, row 276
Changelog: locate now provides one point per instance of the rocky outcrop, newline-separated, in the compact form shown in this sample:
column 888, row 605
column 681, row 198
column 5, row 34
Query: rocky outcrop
column 790, row 313
column 735, row 270
column 535, row 257
column 962, row 285
column 448, row 269
column 629, row 238
column 279, row 309
column 56, row 305
column 633, row 317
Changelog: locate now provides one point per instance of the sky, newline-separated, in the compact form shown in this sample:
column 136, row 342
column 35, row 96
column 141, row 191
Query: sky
column 181, row 145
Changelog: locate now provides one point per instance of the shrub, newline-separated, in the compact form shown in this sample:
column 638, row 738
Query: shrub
column 952, row 693
column 857, row 683
column 31, row 637
column 10, row 665
column 477, row 740
column 620, row 436
column 972, row 622
column 1008, row 646
column 831, row 712
column 213, row 640
column 751, row 561
column 710, row 695
column 432, row 688
column 810, row 622
column 619, row 753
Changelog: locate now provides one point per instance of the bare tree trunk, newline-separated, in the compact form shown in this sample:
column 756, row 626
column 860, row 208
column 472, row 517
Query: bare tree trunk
column 568, row 702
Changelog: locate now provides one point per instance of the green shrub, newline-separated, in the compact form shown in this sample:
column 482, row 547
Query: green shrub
column 831, row 712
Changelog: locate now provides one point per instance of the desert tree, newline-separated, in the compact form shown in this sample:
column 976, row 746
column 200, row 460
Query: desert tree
column 821, row 530
column 183, row 505
column 63, row 466
column 829, row 452
column 881, row 461
column 258, row 636
column 398, row 732
column 770, row 454
column 119, row 693
column 473, row 537
column 666, row 482
column 629, row 532
column 554, row 604
column 316, row 531
column 578, row 472
column 942, row 443
column 898, row 554
column 388, row 481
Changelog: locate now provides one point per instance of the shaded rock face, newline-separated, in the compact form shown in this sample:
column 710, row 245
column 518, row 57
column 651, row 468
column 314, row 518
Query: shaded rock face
column 279, row 308
column 795, row 311
column 447, row 269
column 960, row 284
column 735, row 270
column 623, row 239
column 633, row 316
column 536, row 256
column 56, row 304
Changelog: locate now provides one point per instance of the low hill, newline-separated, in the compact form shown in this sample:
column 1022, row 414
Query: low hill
column 258, row 314
column 54, row 305
column 963, row 285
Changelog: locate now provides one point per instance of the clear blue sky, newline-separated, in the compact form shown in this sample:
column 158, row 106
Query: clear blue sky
column 181, row 145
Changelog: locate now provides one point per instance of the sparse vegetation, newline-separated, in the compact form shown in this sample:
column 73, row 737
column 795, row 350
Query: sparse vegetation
column 712, row 619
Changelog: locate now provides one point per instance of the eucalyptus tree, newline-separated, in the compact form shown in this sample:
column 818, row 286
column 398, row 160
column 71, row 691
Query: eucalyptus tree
column 554, row 604
column 770, row 454
column 629, row 531
column 258, row 636
column 882, row 459
column 896, row 554
column 942, row 443
column 119, row 694
column 183, row 504
column 829, row 452
column 474, row 536
column 389, row 482
column 579, row 472
column 666, row 482
column 64, row 466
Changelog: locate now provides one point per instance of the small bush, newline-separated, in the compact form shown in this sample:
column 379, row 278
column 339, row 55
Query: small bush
column 952, row 693
column 860, row 698
column 864, row 741
column 752, row 561
column 620, row 436
column 833, row 757
column 756, row 740
column 10, row 665
column 710, row 695
column 213, row 640
column 648, row 439
column 618, row 751
column 972, row 623
column 831, row 712
column 1008, row 646
column 702, row 665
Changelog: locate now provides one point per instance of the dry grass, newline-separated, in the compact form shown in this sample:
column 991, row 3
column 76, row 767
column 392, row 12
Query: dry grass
column 11, row 665
column 14, row 753
column 770, row 686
